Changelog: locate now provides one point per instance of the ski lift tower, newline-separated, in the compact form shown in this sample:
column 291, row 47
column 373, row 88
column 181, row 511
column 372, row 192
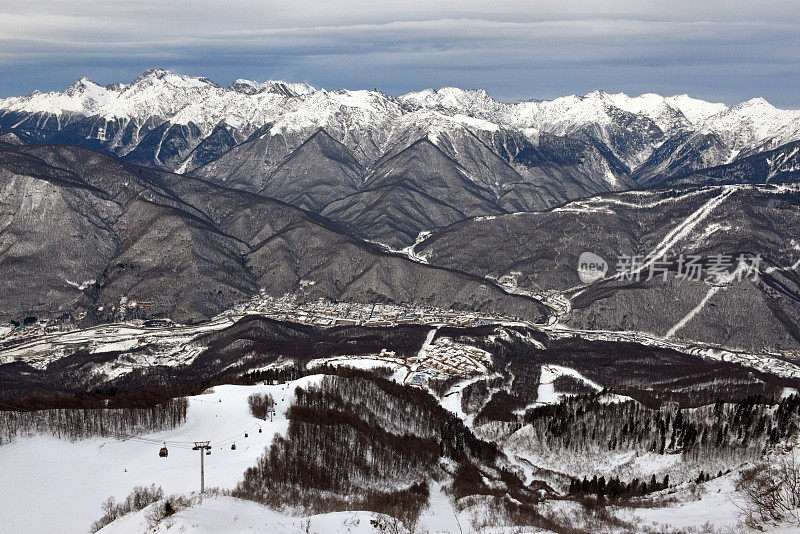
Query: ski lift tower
column 202, row 446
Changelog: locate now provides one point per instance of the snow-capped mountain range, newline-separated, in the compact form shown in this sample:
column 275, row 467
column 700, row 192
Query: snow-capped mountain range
column 480, row 156
column 125, row 113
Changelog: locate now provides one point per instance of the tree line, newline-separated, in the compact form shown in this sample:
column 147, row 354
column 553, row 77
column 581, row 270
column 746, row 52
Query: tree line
column 721, row 434
column 81, row 423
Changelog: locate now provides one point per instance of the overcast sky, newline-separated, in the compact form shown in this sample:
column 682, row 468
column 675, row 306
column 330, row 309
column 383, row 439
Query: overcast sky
column 718, row 50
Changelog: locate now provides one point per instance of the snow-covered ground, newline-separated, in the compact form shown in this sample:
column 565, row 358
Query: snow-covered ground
column 50, row 482
column 712, row 507
column 383, row 360
column 716, row 502
column 226, row 515
column 57, row 483
column 451, row 400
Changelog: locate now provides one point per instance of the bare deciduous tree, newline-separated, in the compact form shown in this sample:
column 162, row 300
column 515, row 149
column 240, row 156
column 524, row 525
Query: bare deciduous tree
column 772, row 492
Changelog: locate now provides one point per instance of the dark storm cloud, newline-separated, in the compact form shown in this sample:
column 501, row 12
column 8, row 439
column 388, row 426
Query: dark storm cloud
column 726, row 51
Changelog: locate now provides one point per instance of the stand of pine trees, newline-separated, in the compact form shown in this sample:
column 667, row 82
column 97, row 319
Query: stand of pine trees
column 740, row 432
column 617, row 489
column 276, row 375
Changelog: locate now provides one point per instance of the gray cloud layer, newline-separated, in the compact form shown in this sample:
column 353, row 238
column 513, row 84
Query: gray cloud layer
column 720, row 50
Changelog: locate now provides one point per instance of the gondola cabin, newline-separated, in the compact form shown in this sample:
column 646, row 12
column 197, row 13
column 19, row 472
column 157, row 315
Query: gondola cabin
column 163, row 453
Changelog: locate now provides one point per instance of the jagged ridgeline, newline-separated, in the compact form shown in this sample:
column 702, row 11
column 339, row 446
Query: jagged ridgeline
column 382, row 164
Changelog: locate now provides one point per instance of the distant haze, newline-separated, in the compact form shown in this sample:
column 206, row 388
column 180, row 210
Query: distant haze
column 719, row 51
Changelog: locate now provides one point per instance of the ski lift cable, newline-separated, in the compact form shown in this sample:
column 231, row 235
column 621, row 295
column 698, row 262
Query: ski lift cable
column 187, row 445
column 148, row 442
column 152, row 441
column 235, row 437
column 182, row 444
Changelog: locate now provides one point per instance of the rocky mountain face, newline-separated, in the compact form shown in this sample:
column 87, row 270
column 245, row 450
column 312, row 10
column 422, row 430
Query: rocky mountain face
column 326, row 151
column 418, row 189
column 289, row 188
column 85, row 234
column 315, row 174
column 539, row 253
column 780, row 165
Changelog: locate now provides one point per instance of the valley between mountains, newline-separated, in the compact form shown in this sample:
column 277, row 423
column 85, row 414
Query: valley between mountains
column 382, row 302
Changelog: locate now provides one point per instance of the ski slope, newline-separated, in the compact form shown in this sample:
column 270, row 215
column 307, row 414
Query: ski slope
column 61, row 484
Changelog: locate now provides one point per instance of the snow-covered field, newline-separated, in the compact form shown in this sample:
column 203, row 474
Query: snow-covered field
column 712, row 508
column 716, row 503
column 52, row 485
column 226, row 515
column 59, row 486
column 546, row 393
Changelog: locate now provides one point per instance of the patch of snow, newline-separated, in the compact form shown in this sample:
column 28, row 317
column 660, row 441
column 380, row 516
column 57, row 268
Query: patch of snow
column 80, row 286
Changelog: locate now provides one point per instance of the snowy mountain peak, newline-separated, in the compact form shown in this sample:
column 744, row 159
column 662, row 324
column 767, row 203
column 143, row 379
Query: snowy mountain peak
column 280, row 87
column 632, row 127
column 694, row 109
column 598, row 94
column 451, row 98
column 667, row 112
column 757, row 103
column 81, row 84
column 158, row 74
column 241, row 85
column 155, row 71
column 754, row 122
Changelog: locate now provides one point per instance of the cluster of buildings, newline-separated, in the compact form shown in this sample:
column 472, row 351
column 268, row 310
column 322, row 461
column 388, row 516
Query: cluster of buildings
column 328, row 313
column 445, row 358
